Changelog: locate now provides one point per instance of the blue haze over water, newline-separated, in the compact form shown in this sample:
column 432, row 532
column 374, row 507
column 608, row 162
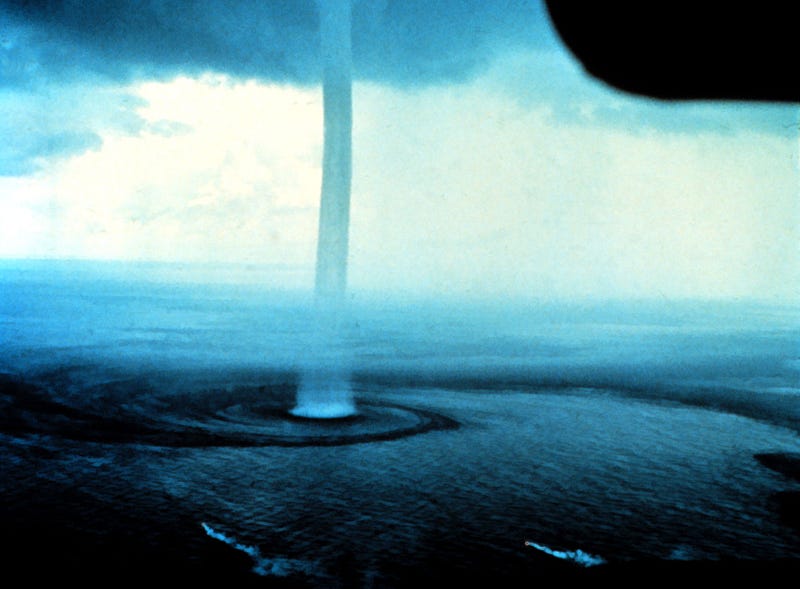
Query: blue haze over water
column 627, row 429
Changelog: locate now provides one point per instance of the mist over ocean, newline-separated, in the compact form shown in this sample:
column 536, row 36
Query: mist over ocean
column 144, row 424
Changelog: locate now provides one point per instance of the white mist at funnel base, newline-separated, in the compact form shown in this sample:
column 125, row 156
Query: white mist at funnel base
column 324, row 395
column 324, row 390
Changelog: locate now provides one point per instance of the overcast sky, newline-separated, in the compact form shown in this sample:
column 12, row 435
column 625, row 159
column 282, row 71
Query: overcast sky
column 485, row 162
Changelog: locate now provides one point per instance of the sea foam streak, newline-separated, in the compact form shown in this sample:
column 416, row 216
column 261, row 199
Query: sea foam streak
column 263, row 566
column 577, row 556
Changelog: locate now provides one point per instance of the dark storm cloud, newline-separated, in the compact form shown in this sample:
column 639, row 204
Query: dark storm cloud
column 397, row 41
column 59, row 120
column 22, row 159
column 51, row 48
column 61, row 51
column 556, row 80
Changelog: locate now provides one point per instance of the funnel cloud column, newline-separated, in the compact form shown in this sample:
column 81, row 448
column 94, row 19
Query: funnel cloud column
column 334, row 215
column 324, row 390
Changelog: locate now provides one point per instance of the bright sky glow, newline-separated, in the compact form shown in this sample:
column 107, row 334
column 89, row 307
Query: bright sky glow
column 528, row 180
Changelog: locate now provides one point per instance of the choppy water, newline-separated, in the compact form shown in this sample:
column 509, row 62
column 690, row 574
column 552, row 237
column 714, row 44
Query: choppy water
column 627, row 431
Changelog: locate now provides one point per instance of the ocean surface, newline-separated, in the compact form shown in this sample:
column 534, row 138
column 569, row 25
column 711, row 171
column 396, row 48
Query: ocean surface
column 145, row 423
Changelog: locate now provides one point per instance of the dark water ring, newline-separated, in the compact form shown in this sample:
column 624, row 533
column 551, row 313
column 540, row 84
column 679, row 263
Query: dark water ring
column 245, row 418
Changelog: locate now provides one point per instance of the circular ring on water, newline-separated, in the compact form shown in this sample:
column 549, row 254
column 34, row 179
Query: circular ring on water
column 247, row 417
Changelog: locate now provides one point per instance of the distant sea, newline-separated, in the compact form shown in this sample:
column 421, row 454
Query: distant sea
column 145, row 432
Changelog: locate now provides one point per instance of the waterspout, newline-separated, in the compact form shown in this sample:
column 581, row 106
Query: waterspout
column 324, row 390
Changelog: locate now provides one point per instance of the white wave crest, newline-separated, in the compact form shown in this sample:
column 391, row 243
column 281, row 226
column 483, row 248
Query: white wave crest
column 263, row 566
column 577, row 556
